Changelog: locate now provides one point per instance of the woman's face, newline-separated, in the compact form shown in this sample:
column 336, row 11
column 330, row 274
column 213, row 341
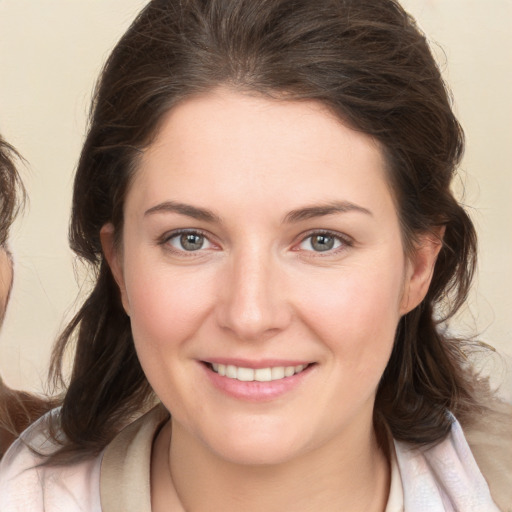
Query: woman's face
column 261, row 240
column 5, row 280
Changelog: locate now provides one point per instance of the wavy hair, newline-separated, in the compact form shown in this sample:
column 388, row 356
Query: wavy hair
column 368, row 62
column 17, row 409
column 12, row 192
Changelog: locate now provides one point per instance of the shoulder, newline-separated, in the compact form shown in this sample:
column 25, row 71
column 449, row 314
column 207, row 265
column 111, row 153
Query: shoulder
column 27, row 485
column 490, row 438
column 451, row 473
column 125, row 470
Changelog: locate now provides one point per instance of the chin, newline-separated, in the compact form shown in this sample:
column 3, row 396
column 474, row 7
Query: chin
column 256, row 446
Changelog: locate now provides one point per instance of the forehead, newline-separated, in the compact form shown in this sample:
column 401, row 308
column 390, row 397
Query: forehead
column 225, row 144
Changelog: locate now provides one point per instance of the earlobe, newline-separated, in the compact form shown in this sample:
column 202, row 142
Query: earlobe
column 420, row 269
column 113, row 258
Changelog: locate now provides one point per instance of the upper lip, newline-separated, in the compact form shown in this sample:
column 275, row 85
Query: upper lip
column 255, row 364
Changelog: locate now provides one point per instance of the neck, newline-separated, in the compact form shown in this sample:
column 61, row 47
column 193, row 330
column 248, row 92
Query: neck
column 350, row 475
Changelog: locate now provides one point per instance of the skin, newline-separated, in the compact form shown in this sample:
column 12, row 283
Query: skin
column 5, row 280
column 258, row 289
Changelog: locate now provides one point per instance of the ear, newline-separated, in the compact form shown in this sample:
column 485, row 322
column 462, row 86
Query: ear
column 113, row 256
column 420, row 268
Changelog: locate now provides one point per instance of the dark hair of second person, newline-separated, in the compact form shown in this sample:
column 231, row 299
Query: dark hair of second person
column 17, row 409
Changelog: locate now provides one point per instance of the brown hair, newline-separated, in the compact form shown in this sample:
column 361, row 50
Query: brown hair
column 12, row 192
column 370, row 64
column 17, row 409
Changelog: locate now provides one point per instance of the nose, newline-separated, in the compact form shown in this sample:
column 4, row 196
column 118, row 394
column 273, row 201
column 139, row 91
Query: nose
column 253, row 304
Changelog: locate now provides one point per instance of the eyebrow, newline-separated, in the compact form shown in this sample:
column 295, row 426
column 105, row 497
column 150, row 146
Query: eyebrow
column 322, row 210
column 298, row 215
column 184, row 209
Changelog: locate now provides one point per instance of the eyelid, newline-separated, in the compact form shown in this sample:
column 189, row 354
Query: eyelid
column 166, row 237
column 346, row 242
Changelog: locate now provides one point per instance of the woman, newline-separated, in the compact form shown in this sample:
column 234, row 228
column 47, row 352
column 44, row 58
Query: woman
column 264, row 194
column 10, row 192
column 17, row 409
column 9, row 184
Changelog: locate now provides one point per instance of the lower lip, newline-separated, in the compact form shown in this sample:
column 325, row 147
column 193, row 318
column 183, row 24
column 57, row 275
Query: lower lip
column 256, row 391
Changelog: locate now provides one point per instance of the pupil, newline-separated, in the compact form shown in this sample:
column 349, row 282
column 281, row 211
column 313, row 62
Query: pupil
column 191, row 242
column 322, row 242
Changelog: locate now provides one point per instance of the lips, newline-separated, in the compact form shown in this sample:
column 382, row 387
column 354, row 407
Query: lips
column 267, row 374
column 256, row 381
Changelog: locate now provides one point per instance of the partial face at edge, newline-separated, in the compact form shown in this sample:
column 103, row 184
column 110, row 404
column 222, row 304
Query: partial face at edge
column 261, row 234
column 5, row 280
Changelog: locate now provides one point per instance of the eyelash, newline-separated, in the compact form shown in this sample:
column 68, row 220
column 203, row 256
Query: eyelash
column 165, row 239
column 344, row 240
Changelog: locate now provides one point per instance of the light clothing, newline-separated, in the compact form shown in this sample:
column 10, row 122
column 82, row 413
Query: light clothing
column 444, row 478
column 26, row 488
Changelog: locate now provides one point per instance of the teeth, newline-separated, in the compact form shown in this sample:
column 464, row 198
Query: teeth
column 244, row 374
column 277, row 372
column 231, row 371
column 263, row 374
column 260, row 374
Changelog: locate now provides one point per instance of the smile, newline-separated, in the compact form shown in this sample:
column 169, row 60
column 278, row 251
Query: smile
column 257, row 374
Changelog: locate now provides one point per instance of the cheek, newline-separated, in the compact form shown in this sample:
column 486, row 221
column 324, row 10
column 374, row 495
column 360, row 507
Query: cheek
column 166, row 306
column 5, row 280
column 164, row 315
column 356, row 312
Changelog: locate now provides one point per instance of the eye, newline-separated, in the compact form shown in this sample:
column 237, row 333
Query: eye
column 322, row 242
column 189, row 241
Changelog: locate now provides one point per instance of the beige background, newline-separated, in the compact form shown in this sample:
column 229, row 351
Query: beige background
column 52, row 50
